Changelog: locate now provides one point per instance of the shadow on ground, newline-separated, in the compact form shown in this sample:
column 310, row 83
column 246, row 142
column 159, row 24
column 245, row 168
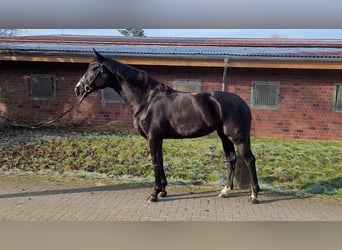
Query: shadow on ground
column 175, row 192
column 116, row 187
column 265, row 197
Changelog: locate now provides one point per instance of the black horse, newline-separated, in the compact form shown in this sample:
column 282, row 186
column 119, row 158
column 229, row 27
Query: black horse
column 161, row 112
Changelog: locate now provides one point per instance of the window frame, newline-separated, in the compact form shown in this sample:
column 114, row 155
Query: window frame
column 42, row 77
column 195, row 82
column 337, row 90
column 275, row 106
column 104, row 98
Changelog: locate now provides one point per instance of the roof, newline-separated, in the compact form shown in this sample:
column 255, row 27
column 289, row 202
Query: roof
column 226, row 42
column 172, row 48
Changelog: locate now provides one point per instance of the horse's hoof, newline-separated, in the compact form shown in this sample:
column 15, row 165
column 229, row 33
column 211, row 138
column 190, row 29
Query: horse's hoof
column 222, row 195
column 162, row 194
column 152, row 199
column 254, row 201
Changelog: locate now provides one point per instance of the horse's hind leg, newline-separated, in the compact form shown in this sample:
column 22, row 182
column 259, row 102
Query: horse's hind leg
column 228, row 148
column 245, row 150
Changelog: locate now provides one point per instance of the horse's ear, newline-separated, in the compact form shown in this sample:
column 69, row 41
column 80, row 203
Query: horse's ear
column 98, row 56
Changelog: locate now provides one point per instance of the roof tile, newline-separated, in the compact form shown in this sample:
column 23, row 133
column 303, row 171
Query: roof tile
column 150, row 47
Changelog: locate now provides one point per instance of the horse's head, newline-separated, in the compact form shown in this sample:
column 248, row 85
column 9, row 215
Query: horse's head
column 96, row 77
column 132, row 84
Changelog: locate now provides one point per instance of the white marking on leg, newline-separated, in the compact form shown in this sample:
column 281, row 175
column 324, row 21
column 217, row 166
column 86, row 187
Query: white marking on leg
column 254, row 199
column 224, row 192
column 254, row 195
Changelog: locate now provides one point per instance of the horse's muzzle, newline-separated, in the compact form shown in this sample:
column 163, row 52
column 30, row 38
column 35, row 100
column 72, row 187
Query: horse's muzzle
column 82, row 89
column 79, row 89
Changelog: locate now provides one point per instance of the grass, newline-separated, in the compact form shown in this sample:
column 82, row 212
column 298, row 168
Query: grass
column 307, row 167
column 290, row 166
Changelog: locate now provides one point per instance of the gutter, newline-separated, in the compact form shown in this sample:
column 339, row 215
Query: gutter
column 226, row 60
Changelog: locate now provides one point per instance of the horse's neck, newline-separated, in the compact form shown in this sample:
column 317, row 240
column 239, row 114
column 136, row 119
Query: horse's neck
column 139, row 97
column 136, row 93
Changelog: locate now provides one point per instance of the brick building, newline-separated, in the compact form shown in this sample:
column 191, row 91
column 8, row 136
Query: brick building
column 294, row 87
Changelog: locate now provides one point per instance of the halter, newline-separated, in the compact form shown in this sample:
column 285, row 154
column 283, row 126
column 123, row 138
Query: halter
column 87, row 83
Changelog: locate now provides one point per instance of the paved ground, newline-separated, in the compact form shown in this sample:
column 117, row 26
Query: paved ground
column 59, row 199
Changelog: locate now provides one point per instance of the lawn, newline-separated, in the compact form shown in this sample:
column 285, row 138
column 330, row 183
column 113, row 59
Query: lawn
column 289, row 166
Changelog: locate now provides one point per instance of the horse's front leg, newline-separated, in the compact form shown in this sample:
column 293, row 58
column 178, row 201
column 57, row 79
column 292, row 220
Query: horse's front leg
column 159, row 175
column 163, row 181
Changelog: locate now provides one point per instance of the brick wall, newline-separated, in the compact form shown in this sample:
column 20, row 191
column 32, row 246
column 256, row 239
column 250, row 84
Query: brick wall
column 306, row 103
column 16, row 102
column 305, row 108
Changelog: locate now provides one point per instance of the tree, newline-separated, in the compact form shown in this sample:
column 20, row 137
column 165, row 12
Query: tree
column 132, row 32
column 8, row 32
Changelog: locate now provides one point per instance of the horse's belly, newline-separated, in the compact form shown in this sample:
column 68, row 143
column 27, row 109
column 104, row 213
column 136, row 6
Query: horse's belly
column 191, row 126
column 191, row 115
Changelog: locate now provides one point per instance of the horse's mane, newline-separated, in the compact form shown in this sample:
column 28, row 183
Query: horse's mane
column 134, row 75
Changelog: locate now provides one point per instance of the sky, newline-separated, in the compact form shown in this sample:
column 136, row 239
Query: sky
column 207, row 33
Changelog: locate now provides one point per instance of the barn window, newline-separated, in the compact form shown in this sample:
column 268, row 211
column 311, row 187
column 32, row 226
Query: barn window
column 338, row 97
column 187, row 85
column 109, row 95
column 43, row 87
column 265, row 95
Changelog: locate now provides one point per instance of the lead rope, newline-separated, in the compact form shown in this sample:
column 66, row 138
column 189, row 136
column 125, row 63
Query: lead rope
column 47, row 123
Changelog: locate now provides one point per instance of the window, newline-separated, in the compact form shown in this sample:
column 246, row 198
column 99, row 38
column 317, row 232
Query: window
column 109, row 95
column 187, row 85
column 338, row 97
column 43, row 87
column 265, row 95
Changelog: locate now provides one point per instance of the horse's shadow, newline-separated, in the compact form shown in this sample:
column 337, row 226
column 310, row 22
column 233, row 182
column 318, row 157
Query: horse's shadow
column 265, row 197
column 189, row 195
column 116, row 187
